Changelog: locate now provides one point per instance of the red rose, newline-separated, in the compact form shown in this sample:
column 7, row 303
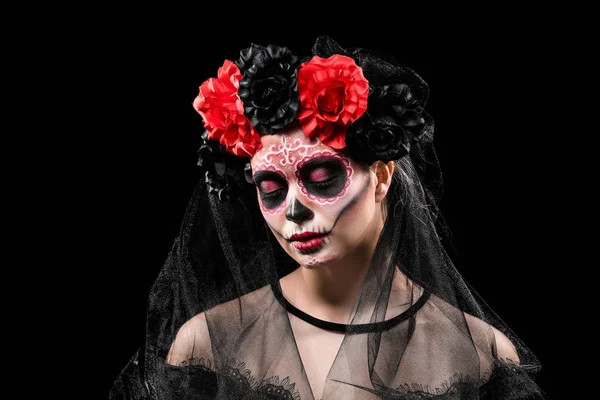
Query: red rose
column 333, row 94
column 222, row 112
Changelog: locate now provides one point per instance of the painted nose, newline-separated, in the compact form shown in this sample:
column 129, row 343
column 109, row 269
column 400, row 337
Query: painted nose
column 297, row 212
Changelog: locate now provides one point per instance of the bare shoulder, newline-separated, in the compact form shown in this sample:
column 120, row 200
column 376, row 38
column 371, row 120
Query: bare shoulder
column 192, row 341
column 504, row 346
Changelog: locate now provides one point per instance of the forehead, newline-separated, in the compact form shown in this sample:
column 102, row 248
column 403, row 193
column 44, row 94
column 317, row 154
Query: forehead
column 288, row 148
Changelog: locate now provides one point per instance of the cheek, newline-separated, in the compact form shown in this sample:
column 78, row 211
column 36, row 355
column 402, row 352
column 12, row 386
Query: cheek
column 355, row 219
column 354, row 214
column 328, row 213
column 276, row 220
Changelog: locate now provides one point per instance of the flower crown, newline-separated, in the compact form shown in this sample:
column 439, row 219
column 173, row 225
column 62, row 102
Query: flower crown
column 350, row 99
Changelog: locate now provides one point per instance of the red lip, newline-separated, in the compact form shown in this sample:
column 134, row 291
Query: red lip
column 304, row 236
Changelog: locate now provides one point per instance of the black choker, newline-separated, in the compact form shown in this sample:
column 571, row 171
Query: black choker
column 349, row 328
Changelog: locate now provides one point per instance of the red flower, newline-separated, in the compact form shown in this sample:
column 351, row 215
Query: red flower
column 222, row 111
column 333, row 94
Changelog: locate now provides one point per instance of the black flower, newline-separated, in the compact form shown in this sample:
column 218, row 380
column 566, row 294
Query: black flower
column 224, row 172
column 268, row 87
column 394, row 120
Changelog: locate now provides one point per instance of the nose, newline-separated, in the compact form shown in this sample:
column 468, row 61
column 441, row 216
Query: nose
column 298, row 212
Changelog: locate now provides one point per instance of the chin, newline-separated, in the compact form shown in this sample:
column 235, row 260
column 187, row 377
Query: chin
column 315, row 260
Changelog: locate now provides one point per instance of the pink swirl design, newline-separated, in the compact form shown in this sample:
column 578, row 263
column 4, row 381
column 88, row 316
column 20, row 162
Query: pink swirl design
column 288, row 151
column 323, row 154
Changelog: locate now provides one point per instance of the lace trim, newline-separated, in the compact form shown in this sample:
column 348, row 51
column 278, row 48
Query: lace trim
column 274, row 387
column 457, row 384
column 198, row 362
column 506, row 379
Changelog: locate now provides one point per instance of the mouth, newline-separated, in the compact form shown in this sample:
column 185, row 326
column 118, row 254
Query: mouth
column 307, row 241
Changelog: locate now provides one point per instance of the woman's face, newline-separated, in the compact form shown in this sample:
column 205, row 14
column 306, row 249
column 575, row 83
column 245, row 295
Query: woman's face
column 319, row 204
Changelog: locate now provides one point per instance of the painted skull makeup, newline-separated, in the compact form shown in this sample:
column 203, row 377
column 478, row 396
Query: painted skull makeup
column 312, row 197
column 321, row 176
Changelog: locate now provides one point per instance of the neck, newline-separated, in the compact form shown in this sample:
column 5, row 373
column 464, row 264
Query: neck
column 336, row 283
column 329, row 291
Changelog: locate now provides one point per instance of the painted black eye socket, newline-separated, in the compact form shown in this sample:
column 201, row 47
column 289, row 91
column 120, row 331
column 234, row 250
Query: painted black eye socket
column 272, row 194
column 324, row 177
column 273, row 199
column 272, row 188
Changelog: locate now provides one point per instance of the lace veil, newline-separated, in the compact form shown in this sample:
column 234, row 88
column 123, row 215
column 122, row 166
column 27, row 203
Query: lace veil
column 440, row 341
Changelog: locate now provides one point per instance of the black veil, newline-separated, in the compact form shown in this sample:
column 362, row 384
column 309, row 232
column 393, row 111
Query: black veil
column 438, row 339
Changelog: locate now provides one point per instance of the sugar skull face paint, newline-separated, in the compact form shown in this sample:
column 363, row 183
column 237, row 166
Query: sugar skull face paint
column 317, row 201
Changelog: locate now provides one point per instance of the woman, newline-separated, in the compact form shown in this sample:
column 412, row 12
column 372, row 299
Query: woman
column 310, row 263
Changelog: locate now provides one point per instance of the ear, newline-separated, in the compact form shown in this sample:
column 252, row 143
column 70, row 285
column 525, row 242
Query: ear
column 384, row 173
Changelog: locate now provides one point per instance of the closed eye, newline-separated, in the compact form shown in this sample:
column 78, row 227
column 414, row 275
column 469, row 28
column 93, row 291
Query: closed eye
column 269, row 186
column 319, row 175
column 323, row 184
column 323, row 177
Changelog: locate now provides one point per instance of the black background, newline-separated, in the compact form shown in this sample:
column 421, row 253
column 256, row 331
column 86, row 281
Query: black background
column 137, row 73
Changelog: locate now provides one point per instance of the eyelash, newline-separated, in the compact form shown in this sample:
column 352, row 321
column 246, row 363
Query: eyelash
column 274, row 193
column 317, row 184
column 322, row 184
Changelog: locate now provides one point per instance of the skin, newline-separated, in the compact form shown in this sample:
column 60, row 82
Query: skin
column 303, row 185
column 329, row 277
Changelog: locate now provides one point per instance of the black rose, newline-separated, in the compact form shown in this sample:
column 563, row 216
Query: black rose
column 224, row 172
column 269, row 88
column 394, row 120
